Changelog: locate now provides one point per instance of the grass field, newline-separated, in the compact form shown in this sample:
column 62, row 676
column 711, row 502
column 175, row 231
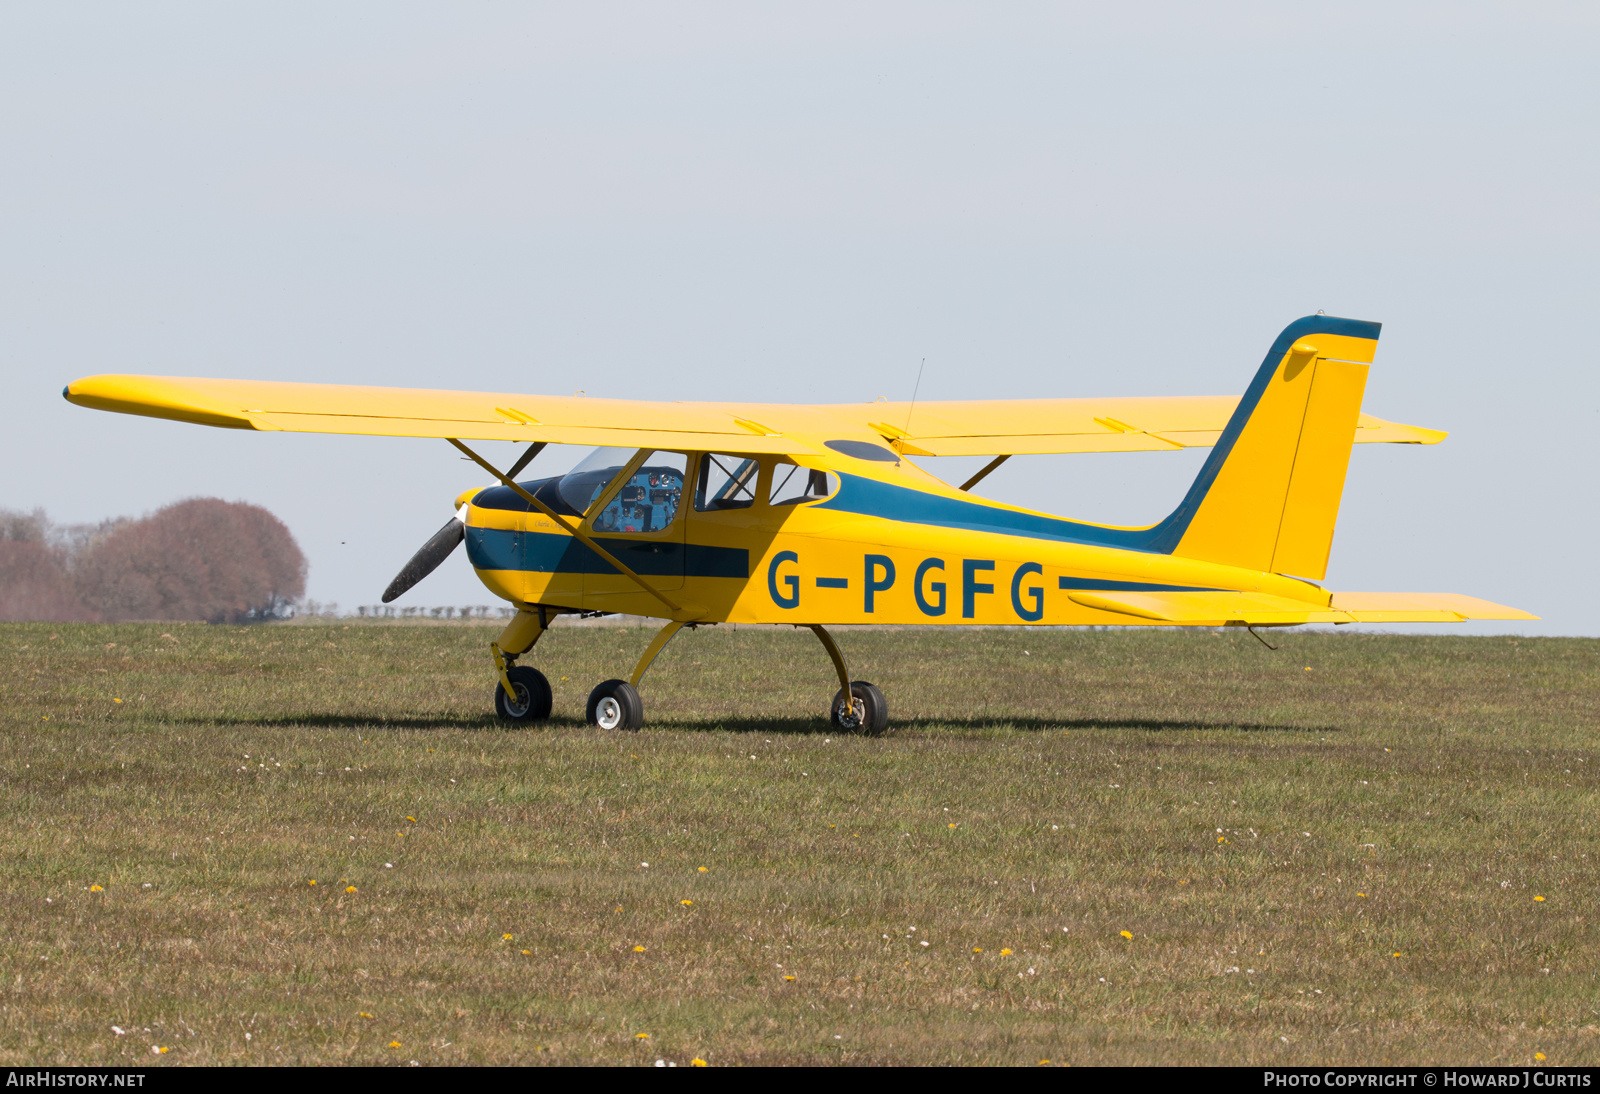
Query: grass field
column 1083, row 848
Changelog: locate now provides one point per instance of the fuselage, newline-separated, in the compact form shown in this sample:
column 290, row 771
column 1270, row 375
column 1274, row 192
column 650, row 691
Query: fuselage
column 887, row 543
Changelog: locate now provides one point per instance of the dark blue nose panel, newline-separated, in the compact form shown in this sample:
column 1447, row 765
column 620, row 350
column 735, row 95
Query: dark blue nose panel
column 503, row 497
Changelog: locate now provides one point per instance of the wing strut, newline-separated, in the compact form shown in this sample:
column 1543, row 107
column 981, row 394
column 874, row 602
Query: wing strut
column 981, row 475
column 575, row 532
column 526, row 458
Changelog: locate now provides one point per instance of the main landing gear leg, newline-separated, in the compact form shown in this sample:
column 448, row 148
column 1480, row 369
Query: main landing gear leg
column 859, row 707
column 523, row 694
column 615, row 704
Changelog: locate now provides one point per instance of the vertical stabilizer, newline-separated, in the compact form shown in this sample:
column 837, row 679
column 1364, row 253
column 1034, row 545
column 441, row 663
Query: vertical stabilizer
column 1268, row 496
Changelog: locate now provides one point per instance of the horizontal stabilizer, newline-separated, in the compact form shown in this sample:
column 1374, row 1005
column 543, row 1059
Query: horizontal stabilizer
column 1405, row 607
column 1220, row 609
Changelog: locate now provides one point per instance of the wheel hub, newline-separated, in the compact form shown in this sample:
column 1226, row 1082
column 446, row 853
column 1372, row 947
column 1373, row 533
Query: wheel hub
column 608, row 713
column 518, row 704
column 852, row 713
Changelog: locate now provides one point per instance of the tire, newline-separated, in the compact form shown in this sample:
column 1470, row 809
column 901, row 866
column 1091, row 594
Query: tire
column 868, row 713
column 615, row 704
column 533, row 698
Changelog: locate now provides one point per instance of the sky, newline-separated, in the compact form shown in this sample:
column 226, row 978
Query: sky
column 805, row 203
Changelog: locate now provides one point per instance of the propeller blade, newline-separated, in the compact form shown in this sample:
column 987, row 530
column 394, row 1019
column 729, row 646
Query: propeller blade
column 427, row 560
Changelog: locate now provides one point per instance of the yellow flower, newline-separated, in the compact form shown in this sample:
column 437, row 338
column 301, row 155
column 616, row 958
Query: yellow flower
column 313, row 881
column 702, row 869
column 1538, row 1055
column 788, row 978
column 1361, row 894
column 506, row 937
column 1539, row 898
column 413, row 820
column 364, row 1014
column 977, row 949
column 638, row 949
column 118, row 701
column 697, row 1062
column 349, row 888
column 394, row 1044
column 1127, row 934
column 528, row 952
column 686, row 903
column 98, row 889
column 158, row 1049
column 951, row 824
column 641, row 1036
column 1005, row 953
column 1397, row 953
column 1043, row 1062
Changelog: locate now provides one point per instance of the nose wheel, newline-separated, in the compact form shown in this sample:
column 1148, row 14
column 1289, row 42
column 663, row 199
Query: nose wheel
column 532, row 699
column 615, row 704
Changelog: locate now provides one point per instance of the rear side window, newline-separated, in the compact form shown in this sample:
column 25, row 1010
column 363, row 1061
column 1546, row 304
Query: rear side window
column 792, row 484
column 726, row 482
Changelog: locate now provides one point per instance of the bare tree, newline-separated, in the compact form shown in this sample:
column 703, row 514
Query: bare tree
column 205, row 558
column 34, row 584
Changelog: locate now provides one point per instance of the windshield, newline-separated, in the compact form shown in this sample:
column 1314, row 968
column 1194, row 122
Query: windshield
column 580, row 485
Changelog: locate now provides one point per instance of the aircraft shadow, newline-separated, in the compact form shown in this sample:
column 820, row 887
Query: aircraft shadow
column 800, row 727
column 817, row 727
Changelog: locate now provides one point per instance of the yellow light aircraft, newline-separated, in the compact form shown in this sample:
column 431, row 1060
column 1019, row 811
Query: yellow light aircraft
column 702, row 513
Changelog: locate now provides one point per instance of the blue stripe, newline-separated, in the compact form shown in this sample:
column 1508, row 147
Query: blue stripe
column 1088, row 584
column 873, row 498
column 901, row 503
column 553, row 553
column 833, row 582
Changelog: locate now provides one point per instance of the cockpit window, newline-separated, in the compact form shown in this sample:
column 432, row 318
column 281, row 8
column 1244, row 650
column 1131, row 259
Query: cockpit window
column 792, row 485
column 580, row 485
column 726, row 482
column 648, row 501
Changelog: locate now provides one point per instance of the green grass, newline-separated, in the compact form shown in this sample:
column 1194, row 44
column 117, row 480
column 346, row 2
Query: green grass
column 1039, row 792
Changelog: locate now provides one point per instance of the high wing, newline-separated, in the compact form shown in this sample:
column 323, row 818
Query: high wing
column 973, row 428
column 1020, row 427
column 418, row 412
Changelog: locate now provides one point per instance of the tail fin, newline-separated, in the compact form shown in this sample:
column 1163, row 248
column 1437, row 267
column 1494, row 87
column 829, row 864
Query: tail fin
column 1268, row 496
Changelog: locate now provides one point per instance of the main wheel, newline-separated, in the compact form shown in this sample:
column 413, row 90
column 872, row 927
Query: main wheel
column 615, row 704
column 866, row 712
column 532, row 701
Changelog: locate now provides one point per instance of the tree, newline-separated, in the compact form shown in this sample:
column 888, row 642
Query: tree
column 34, row 584
column 205, row 558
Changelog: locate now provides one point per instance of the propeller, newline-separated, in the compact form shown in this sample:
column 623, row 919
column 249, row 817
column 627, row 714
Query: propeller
column 446, row 539
column 426, row 560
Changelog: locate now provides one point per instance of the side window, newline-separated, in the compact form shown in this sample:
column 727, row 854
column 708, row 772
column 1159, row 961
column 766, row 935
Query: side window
column 726, row 482
column 792, row 484
column 648, row 501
